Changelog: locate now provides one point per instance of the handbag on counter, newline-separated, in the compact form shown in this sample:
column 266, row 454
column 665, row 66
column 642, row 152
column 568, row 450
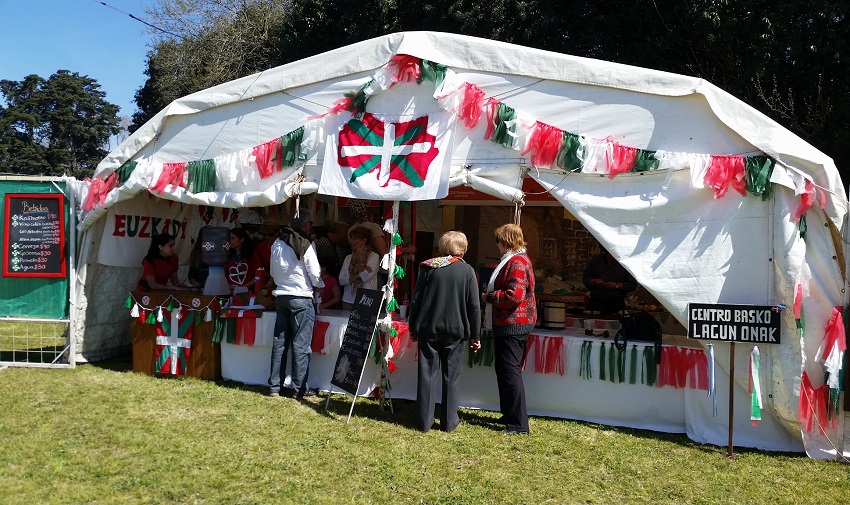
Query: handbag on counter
column 640, row 326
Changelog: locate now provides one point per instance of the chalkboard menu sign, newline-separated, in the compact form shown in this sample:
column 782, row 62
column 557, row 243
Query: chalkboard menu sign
column 34, row 235
column 357, row 339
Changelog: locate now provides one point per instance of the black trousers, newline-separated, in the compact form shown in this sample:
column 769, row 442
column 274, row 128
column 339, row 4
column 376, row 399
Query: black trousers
column 435, row 354
column 510, row 351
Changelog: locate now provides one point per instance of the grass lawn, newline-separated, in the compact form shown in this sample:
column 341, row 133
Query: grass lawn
column 102, row 434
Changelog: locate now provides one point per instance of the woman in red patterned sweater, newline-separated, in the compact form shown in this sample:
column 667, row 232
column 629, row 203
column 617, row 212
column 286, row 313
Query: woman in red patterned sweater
column 511, row 313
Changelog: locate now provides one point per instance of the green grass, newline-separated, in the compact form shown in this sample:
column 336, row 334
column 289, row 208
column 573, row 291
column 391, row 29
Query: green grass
column 102, row 434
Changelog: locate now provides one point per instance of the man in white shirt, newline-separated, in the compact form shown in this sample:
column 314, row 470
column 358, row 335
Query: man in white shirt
column 296, row 273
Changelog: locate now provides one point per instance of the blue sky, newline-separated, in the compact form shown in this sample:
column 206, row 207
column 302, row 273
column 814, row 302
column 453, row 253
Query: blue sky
column 83, row 36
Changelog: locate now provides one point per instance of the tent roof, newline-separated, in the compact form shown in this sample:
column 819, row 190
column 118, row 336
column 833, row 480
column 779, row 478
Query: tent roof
column 638, row 107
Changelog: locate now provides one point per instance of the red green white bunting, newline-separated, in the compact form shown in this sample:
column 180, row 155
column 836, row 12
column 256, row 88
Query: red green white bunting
column 544, row 145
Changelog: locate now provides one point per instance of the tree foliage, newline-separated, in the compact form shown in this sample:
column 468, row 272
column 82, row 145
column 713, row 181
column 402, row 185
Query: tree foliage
column 789, row 59
column 211, row 42
column 55, row 126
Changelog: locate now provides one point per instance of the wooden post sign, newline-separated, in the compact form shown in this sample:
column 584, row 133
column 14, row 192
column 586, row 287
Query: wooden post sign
column 34, row 235
column 359, row 332
column 752, row 324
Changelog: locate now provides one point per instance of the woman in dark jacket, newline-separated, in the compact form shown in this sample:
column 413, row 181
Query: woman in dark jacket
column 511, row 313
column 445, row 312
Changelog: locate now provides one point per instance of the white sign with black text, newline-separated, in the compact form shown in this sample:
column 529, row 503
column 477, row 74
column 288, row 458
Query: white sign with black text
column 754, row 324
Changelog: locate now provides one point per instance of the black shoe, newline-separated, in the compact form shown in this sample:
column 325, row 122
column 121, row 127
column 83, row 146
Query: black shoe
column 508, row 431
column 272, row 394
column 287, row 392
column 308, row 393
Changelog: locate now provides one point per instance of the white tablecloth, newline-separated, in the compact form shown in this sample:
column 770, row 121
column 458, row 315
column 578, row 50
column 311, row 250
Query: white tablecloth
column 666, row 409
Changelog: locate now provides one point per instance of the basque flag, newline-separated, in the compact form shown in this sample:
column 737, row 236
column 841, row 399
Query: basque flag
column 373, row 159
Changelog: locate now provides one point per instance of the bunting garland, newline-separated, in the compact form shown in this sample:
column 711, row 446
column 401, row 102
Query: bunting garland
column 125, row 171
column 151, row 314
column 712, row 385
column 485, row 354
column 290, row 145
column 201, row 176
column 755, row 386
column 431, row 71
column 554, row 356
column 830, row 354
column 171, row 175
column 268, row 158
column 816, row 407
column 584, row 367
column 547, row 145
column 533, row 347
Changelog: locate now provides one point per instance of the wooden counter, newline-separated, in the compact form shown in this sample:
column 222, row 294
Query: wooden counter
column 205, row 357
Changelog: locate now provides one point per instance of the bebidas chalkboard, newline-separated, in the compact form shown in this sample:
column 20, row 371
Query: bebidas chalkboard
column 34, row 235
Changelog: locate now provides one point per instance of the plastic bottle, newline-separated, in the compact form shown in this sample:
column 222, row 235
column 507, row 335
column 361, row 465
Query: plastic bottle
column 405, row 304
column 259, row 280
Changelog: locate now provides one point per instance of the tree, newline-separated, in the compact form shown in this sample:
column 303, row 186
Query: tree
column 56, row 126
column 204, row 43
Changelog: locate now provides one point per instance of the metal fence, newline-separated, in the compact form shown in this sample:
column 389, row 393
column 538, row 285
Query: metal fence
column 35, row 325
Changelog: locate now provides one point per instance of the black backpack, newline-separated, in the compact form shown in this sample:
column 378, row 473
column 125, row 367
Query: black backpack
column 639, row 326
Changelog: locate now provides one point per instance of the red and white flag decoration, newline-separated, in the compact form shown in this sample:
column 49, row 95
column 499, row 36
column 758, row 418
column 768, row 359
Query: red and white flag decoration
column 369, row 158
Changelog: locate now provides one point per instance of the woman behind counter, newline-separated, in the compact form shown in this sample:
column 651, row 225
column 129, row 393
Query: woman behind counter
column 360, row 268
column 198, row 270
column 159, row 267
column 243, row 265
column 444, row 313
column 511, row 313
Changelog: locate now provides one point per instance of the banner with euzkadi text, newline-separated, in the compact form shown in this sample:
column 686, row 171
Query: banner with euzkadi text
column 131, row 224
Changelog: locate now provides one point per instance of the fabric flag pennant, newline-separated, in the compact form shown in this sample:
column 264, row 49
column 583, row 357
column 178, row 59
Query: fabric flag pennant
column 369, row 158
column 712, row 384
column 755, row 386
column 831, row 351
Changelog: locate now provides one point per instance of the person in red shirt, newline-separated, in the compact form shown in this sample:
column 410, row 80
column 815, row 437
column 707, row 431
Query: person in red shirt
column 241, row 269
column 159, row 267
column 331, row 293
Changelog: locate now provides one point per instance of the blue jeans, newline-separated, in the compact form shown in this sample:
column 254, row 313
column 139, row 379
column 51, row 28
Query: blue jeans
column 292, row 328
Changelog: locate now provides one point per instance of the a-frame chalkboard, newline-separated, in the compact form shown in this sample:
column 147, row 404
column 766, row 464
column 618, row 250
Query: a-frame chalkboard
column 354, row 350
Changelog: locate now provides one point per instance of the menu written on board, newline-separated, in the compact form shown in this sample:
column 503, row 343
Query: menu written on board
column 357, row 340
column 34, row 235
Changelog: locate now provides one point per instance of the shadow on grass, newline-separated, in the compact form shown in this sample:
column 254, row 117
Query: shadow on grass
column 401, row 412
column 682, row 440
column 48, row 354
column 121, row 363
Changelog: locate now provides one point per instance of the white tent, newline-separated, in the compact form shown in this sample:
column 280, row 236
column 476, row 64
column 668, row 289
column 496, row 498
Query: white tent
column 682, row 241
